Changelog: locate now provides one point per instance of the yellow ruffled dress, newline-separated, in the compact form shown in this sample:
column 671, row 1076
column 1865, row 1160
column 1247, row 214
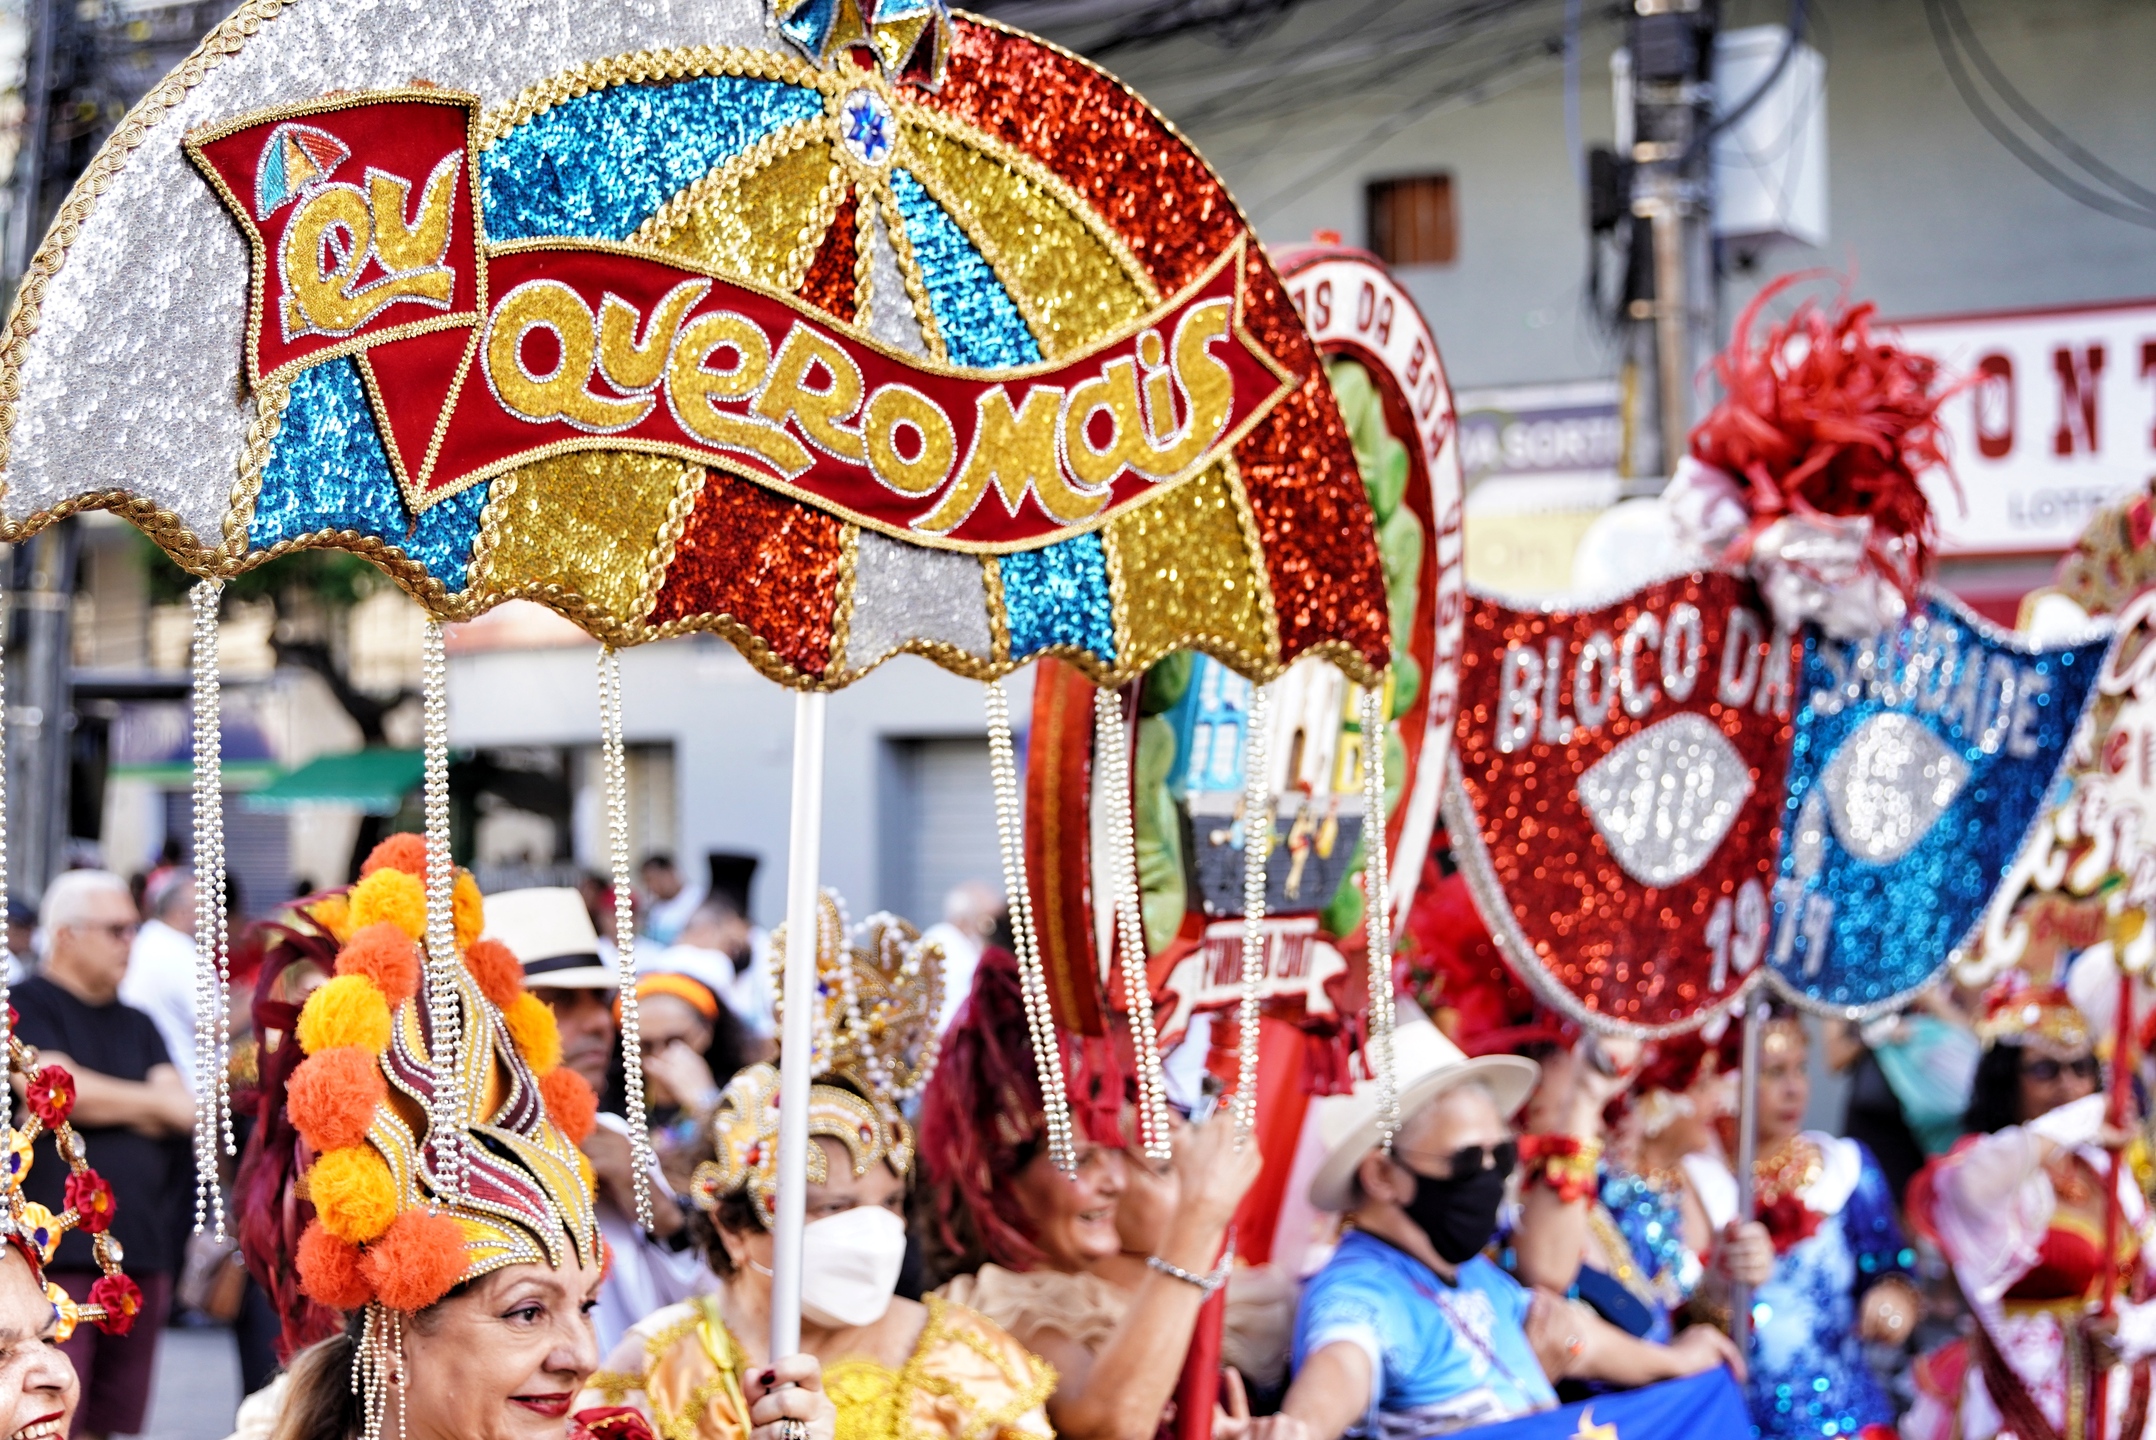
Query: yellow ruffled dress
column 967, row 1380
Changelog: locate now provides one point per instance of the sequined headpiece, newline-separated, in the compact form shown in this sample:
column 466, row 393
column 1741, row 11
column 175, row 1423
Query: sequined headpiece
column 400, row 1216
column 34, row 1231
column 878, row 991
column 2039, row 1015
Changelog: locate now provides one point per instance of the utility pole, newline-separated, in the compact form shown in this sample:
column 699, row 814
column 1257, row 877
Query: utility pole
column 40, row 710
column 1672, row 66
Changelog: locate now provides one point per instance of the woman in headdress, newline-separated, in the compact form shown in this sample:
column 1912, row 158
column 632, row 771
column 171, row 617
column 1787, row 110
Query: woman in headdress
column 444, row 1218
column 892, row 1367
column 1840, row 1278
column 2019, row 1208
column 39, row 1389
column 1040, row 1252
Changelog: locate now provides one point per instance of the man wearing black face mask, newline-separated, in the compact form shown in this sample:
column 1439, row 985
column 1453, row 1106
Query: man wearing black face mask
column 1409, row 1330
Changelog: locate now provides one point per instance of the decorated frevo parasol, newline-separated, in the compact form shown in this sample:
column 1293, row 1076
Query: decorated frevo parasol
column 838, row 331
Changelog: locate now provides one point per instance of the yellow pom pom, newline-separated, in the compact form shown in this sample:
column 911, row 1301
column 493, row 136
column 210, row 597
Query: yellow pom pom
column 532, row 1026
column 468, row 908
column 394, row 896
column 354, row 1193
column 333, row 913
column 349, row 1010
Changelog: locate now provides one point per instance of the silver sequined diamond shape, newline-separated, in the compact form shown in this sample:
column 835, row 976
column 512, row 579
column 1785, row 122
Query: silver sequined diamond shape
column 1888, row 785
column 1665, row 799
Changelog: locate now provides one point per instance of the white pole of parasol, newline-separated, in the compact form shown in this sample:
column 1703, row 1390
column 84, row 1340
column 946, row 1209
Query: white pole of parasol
column 803, row 855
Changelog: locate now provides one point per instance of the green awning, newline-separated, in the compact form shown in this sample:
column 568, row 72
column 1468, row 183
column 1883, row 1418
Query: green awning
column 373, row 782
column 180, row 774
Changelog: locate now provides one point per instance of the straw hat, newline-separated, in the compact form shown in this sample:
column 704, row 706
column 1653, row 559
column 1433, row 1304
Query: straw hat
column 1426, row 1065
column 550, row 933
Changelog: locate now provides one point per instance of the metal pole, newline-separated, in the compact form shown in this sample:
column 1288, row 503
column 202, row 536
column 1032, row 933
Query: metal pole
column 1740, row 1296
column 802, row 859
column 1672, row 318
column 22, row 228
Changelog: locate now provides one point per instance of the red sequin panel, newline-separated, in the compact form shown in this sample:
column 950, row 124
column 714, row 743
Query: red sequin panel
column 770, row 564
column 1315, row 525
column 1099, row 138
column 1625, row 769
column 832, row 281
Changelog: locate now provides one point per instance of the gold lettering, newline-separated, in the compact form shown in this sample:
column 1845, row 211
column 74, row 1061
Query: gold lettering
column 1205, row 380
column 899, row 405
column 628, row 365
column 404, row 249
column 319, row 300
column 559, row 394
column 1015, row 451
column 1115, row 391
column 693, row 391
column 820, row 413
column 1208, row 384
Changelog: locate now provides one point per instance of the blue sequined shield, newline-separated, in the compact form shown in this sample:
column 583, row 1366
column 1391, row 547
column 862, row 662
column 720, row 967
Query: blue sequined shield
column 1920, row 762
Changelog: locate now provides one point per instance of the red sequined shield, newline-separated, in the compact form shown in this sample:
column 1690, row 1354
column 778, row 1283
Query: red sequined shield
column 1620, row 798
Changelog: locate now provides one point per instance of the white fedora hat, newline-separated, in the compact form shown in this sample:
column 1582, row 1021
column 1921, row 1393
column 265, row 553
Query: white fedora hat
column 550, row 933
column 1425, row 1066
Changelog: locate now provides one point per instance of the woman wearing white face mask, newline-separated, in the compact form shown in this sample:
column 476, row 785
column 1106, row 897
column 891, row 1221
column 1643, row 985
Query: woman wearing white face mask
column 892, row 1367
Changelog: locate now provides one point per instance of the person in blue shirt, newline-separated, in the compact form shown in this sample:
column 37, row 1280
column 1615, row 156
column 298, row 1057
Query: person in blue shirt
column 1410, row 1330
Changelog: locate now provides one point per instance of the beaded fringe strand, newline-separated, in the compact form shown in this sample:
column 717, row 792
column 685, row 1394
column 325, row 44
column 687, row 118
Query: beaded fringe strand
column 1257, row 850
column 1032, row 982
column 213, row 1041
column 1377, row 918
column 445, row 1017
column 614, row 771
column 1111, row 772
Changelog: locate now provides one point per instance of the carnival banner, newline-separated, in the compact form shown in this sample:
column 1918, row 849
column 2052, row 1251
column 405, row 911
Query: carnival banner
column 1620, row 801
column 1920, row 760
column 1700, row 1405
column 479, row 359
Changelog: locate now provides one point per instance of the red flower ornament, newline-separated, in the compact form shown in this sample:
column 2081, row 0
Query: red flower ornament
column 122, row 1301
column 89, row 1195
column 1789, row 1221
column 51, row 1096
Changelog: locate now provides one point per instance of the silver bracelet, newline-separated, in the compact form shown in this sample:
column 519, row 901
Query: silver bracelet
column 1206, row 1284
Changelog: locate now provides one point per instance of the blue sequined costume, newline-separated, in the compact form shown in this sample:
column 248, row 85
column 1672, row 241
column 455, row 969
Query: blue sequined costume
column 1651, row 1225
column 1808, row 1376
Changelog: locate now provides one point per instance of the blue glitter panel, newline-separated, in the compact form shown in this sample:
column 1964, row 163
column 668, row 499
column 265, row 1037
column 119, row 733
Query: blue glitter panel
column 1058, row 595
column 598, row 166
column 981, row 327
column 1919, row 763
column 330, row 472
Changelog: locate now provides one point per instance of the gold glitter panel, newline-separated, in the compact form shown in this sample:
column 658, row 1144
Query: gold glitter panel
column 1070, row 286
column 589, row 523
column 1183, row 569
column 759, row 224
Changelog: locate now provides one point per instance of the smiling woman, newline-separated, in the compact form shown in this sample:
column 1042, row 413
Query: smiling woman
column 38, row 1389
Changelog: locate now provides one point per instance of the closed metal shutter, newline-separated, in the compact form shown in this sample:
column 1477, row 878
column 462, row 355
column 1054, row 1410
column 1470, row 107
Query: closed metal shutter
column 940, row 825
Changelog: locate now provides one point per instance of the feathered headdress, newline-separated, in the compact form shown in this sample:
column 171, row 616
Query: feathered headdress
column 878, row 992
column 401, row 1217
column 49, row 1096
column 1807, row 469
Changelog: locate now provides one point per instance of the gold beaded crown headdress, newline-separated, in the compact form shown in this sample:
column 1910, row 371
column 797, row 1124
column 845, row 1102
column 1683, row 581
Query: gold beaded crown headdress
column 34, row 1231
column 878, row 991
column 2043, row 1016
column 422, row 1180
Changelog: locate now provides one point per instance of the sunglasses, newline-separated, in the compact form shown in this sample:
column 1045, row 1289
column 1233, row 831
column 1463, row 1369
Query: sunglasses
column 2043, row 1069
column 1473, row 1159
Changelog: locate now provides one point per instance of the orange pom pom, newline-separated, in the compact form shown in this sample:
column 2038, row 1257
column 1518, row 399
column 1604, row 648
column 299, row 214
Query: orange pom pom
column 332, row 1271
column 394, row 897
column 468, row 909
column 532, row 1026
column 333, row 1095
column 333, row 914
column 353, row 1192
column 496, row 971
column 346, row 1011
column 570, row 1103
column 417, row 1262
column 386, row 955
column 406, row 852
